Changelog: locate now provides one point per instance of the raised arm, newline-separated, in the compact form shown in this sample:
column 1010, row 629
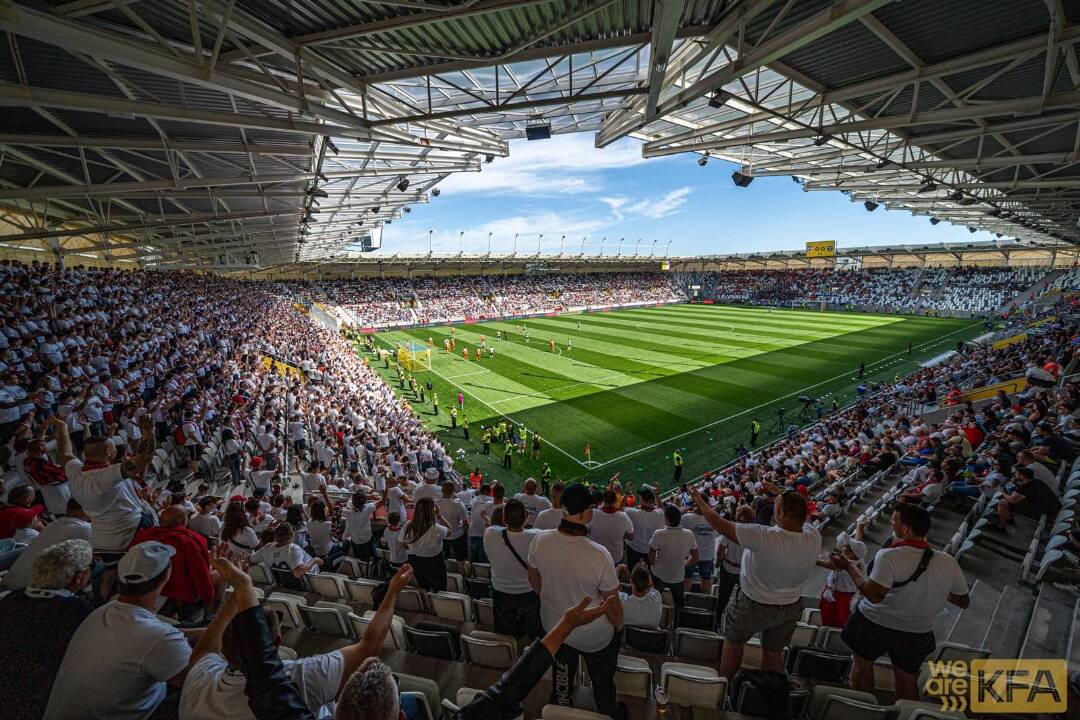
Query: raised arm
column 722, row 526
column 63, row 441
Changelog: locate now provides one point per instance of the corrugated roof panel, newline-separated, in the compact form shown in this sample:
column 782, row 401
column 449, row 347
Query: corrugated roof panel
column 848, row 55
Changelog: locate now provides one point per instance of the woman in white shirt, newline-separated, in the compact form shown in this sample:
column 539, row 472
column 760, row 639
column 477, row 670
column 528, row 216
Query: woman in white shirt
column 836, row 596
column 237, row 531
column 321, row 540
column 423, row 536
column 286, row 554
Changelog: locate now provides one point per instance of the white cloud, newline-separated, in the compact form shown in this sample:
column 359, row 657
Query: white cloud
column 669, row 204
column 527, row 227
column 565, row 164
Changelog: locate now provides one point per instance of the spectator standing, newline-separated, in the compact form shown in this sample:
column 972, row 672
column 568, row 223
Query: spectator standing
column 643, row 607
column 565, row 566
column 423, row 535
column 731, row 561
column 611, row 528
column 671, row 551
column 189, row 582
column 516, row 605
column 777, row 561
column 706, row 538
column 453, row 512
column 37, row 623
column 549, row 519
column 357, row 531
column 534, row 503
column 478, row 515
column 646, row 519
column 907, row 588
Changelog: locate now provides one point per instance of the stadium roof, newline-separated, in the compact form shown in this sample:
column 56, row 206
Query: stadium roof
column 201, row 133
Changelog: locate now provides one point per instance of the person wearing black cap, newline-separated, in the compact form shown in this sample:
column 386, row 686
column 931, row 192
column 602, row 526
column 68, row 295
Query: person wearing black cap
column 565, row 566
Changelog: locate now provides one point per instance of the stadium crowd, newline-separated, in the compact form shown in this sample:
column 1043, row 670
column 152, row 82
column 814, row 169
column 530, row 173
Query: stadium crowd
column 974, row 290
column 123, row 574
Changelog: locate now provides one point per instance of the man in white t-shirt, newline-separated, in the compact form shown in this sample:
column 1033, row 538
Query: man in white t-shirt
column 516, row 605
column 481, row 508
column 777, row 562
column 646, row 519
column 706, row 542
column 215, row 686
column 672, row 550
column 549, row 519
column 430, row 488
column 122, row 657
column 74, row 525
column 456, row 517
column 611, row 528
column 534, row 503
column 564, row 567
column 907, row 589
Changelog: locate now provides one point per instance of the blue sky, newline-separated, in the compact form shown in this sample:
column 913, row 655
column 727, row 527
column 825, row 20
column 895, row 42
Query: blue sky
column 564, row 186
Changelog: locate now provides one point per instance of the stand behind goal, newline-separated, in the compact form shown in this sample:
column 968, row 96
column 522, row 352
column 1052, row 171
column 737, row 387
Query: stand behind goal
column 414, row 357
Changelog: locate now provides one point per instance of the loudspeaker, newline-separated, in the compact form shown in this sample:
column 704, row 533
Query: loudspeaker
column 537, row 132
column 741, row 180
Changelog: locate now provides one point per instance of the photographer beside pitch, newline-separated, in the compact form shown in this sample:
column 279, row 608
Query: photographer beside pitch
column 908, row 586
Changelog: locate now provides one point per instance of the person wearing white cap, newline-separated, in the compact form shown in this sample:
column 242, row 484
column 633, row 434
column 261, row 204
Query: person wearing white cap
column 122, row 658
column 430, row 488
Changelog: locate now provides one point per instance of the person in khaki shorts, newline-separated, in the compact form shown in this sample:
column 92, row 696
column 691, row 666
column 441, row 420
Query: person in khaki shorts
column 777, row 561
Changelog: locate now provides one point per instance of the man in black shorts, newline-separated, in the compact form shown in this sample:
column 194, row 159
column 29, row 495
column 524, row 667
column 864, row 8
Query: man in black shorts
column 908, row 586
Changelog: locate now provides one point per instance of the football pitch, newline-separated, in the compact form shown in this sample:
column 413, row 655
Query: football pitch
column 636, row 385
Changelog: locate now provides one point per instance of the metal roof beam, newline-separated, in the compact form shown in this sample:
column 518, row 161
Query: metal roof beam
column 147, row 225
column 666, row 16
column 955, row 114
column 135, row 143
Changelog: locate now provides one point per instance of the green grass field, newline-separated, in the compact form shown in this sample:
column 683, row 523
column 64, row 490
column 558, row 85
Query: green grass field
column 640, row 383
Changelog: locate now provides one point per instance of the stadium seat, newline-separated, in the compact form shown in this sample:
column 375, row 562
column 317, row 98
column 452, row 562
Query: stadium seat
column 700, row 601
column 422, row 685
column 489, row 649
column 259, row 575
column 424, row 710
column 697, row 644
column 811, row 616
column 829, row 638
column 328, row 585
column 915, row 709
column 645, row 639
column 287, row 607
column 479, row 588
column 822, row 696
column 361, row 591
column 285, row 579
column 437, row 644
column 485, row 612
column 481, row 570
column 412, row 599
column 395, row 637
column 804, row 635
column 692, row 685
column 351, row 567
column 633, row 677
column 451, row 606
column 325, row 620
column 455, row 583
column 696, row 619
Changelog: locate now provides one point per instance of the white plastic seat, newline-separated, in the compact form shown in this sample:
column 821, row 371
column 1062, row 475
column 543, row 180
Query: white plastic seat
column 811, row 616
column 286, row 653
column 327, row 585
column 352, row 568
column 697, row 644
column 455, row 582
column 325, row 620
column 692, row 685
column 287, row 607
column 362, row 591
column 259, row 575
column 633, row 677
column 821, row 696
column 489, row 649
column 804, row 634
column 451, row 606
column 412, row 599
column 485, row 612
column 395, row 636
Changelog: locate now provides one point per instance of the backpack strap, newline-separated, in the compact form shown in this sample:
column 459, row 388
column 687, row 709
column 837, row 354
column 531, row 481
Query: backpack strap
column 513, row 552
column 924, row 562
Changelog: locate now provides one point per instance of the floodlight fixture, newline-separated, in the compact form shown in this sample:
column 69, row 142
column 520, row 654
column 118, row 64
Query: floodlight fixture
column 934, row 221
column 403, row 184
column 488, row 159
column 704, row 159
column 971, row 229
column 436, row 192
column 870, row 206
column 927, row 186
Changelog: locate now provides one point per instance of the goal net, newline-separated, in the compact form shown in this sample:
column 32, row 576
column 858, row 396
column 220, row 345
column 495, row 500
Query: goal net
column 414, row 357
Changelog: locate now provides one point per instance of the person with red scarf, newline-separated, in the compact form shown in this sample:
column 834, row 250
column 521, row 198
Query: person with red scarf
column 191, row 582
column 19, row 510
column 908, row 586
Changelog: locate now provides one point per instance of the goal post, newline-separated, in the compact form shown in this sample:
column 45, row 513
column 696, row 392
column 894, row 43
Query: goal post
column 414, row 357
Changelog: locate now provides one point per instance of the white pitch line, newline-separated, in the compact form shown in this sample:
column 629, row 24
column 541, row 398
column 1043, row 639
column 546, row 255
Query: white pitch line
column 482, row 402
column 470, row 374
column 758, row 407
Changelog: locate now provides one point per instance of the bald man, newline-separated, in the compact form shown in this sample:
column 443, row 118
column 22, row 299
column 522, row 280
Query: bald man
column 191, row 585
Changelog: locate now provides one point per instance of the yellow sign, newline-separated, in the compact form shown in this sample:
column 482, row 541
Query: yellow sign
column 999, row 686
column 282, row 368
column 665, row 264
column 821, row 248
column 1011, row 340
column 990, row 391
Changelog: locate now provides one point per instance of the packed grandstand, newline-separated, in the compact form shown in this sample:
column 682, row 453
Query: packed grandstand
column 148, row 407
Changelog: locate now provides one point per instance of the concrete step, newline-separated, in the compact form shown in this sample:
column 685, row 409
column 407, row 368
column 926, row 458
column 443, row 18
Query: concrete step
column 970, row 627
column 1005, row 633
column 1051, row 622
